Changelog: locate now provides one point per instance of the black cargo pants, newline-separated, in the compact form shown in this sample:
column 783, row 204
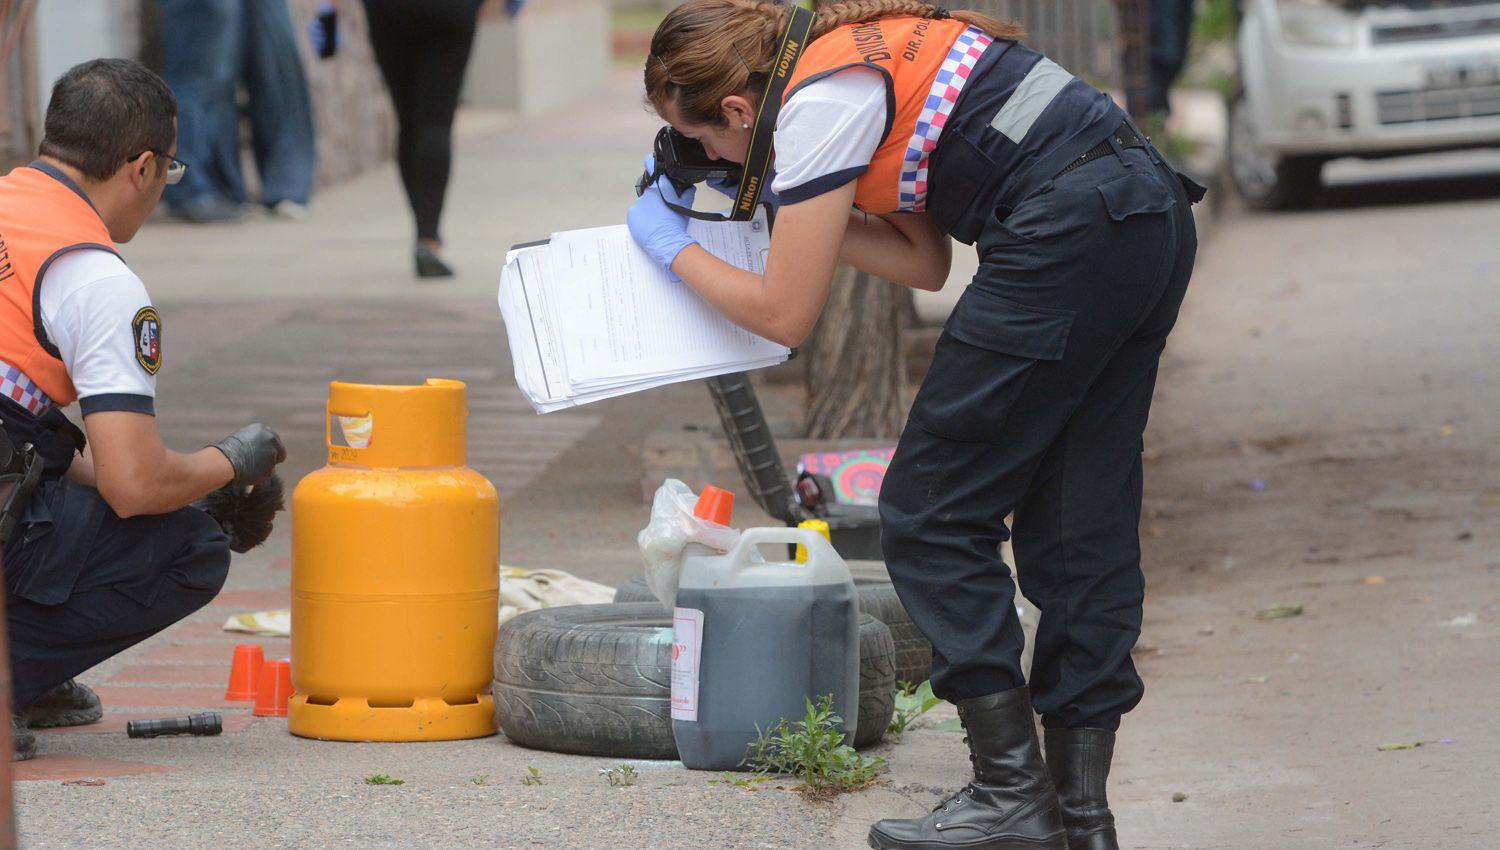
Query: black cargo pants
column 1035, row 404
column 83, row 585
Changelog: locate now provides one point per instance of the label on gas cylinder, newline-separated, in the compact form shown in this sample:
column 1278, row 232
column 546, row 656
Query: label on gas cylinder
column 687, row 652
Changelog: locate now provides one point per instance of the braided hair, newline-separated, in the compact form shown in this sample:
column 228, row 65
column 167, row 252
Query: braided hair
column 707, row 50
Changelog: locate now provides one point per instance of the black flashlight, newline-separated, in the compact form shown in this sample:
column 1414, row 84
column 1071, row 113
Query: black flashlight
column 207, row 723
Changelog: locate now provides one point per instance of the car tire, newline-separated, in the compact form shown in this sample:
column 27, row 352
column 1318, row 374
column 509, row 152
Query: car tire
column 597, row 680
column 587, row 679
column 877, row 681
column 876, row 597
column 1264, row 179
column 635, row 589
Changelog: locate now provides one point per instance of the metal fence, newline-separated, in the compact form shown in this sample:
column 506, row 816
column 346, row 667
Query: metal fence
column 1079, row 35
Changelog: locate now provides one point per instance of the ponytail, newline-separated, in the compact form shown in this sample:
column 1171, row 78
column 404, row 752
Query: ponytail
column 834, row 15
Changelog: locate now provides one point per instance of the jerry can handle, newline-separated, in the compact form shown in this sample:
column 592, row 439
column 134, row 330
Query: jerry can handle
column 750, row 538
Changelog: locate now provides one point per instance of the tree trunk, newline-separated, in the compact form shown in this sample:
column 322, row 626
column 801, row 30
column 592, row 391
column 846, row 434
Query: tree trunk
column 855, row 367
column 20, row 116
column 1134, row 44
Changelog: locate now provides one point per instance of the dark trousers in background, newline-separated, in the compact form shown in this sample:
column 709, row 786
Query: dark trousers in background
column 1035, row 404
column 83, row 585
column 210, row 47
column 423, row 49
column 1171, row 31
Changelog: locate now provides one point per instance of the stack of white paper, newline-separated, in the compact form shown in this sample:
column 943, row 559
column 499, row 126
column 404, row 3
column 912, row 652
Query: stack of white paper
column 591, row 316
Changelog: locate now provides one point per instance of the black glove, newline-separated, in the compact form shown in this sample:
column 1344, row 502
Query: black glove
column 253, row 451
column 245, row 513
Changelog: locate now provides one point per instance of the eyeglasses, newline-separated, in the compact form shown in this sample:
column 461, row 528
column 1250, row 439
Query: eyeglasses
column 176, row 168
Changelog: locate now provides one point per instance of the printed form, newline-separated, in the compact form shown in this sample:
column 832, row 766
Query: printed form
column 590, row 316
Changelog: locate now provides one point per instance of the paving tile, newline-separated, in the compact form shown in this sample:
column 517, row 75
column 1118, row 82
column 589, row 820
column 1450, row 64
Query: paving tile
column 255, row 600
column 168, row 674
column 212, row 629
column 206, row 630
column 61, row 766
column 220, row 652
column 142, row 696
column 115, row 723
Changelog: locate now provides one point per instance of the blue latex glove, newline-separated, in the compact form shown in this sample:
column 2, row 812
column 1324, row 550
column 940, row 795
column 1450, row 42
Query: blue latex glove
column 323, row 31
column 733, row 190
column 660, row 230
column 513, row 7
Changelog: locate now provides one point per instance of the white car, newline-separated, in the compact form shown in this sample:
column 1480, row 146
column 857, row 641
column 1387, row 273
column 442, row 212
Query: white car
column 1321, row 79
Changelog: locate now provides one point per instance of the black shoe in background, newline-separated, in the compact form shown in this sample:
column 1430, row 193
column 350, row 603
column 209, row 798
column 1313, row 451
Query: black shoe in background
column 429, row 264
column 208, row 212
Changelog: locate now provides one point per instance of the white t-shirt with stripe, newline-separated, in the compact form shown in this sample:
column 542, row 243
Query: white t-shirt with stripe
column 90, row 302
column 827, row 133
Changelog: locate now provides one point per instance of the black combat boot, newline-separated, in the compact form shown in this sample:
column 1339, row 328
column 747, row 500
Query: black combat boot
column 1079, row 761
column 68, row 704
column 1010, row 805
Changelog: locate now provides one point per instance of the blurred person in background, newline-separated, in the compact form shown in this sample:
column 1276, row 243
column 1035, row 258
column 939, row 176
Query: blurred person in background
column 209, row 47
column 423, row 49
column 1171, row 30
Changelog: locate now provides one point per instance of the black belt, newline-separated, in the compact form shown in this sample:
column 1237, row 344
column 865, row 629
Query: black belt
column 1125, row 135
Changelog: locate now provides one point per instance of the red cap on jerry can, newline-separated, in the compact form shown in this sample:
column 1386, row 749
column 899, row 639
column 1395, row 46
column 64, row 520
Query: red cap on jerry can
column 715, row 505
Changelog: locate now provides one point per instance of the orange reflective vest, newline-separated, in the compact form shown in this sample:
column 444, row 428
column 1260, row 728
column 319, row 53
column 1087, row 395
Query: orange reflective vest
column 41, row 218
column 926, row 64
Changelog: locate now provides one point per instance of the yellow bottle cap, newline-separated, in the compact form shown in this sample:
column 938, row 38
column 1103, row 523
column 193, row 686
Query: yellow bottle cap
column 817, row 525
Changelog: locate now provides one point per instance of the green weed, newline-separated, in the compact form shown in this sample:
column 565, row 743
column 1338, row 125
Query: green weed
column 481, row 780
column 1216, row 21
column 383, row 779
column 912, row 701
column 623, row 776
column 745, row 782
column 1222, row 82
column 813, row 750
column 532, row 777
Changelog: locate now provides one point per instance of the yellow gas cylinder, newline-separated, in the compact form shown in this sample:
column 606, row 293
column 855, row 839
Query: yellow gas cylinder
column 395, row 573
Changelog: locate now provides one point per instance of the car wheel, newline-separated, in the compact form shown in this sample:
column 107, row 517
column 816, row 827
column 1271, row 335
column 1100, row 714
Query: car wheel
column 1265, row 179
column 878, row 597
column 587, row 679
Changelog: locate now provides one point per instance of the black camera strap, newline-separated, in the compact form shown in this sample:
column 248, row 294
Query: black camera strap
column 758, row 159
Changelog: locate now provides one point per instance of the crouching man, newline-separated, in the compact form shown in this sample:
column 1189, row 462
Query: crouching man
column 106, row 550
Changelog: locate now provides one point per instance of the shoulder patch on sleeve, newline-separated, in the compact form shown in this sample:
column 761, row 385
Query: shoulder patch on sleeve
column 146, row 330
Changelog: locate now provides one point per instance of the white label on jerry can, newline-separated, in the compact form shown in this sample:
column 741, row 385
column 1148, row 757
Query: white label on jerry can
column 687, row 649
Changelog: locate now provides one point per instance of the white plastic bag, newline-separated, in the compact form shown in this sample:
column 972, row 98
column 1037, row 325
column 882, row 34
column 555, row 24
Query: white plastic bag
column 672, row 527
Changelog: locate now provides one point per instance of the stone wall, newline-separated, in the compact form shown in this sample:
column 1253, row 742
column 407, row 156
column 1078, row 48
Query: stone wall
column 554, row 52
column 352, row 114
column 20, row 120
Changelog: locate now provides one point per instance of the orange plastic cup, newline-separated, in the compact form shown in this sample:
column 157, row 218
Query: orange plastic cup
column 714, row 505
column 244, row 672
column 275, row 689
